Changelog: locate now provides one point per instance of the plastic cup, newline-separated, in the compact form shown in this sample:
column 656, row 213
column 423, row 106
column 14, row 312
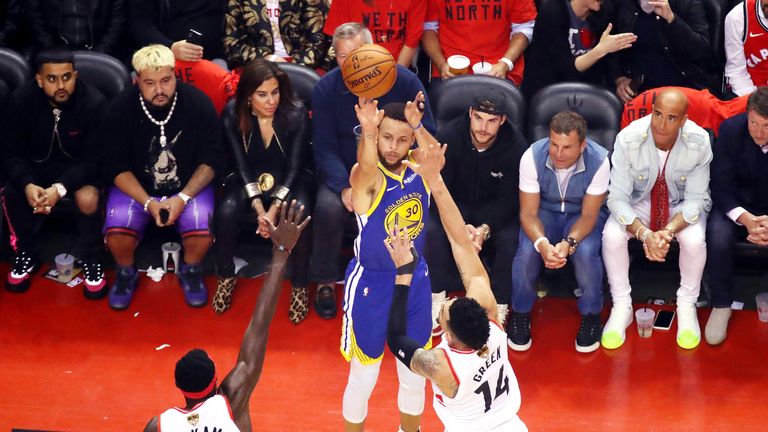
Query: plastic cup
column 65, row 263
column 171, row 251
column 644, row 318
column 762, row 306
column 482, row 68
column 458, row 64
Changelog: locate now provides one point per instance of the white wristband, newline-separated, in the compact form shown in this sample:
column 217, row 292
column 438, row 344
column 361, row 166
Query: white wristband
column 536, row 243
column 507, row 61
column 184, row 197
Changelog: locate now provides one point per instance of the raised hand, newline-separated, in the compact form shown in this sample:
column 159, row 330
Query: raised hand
column 368, row 114
column 414, row 110
column 612, row 43
column 432, row 160
column 289, row 225
column 400, row 246
column 662, row 9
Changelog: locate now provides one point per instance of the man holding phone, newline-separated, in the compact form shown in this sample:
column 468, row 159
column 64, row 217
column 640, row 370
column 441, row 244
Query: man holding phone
column 659, row 191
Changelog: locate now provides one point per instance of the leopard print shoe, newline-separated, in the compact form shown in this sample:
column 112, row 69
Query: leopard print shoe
column 299, row 304
column 223, row 298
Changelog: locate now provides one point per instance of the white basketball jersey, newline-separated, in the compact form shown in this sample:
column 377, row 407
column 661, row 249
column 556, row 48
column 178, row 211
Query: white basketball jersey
column 489, row 397
column 210, row 415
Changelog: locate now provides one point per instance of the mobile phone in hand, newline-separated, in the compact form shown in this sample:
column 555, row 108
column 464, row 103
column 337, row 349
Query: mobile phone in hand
column 164, row 214
column 194, row 37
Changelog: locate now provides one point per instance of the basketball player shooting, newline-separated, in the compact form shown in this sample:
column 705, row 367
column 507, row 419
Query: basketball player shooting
column 224, row 408
column 472, row 380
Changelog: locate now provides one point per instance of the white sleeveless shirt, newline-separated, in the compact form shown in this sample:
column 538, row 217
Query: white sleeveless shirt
column 489, row 396
column 211, row 415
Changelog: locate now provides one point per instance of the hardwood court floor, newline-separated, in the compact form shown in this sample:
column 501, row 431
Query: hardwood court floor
column 72, row 364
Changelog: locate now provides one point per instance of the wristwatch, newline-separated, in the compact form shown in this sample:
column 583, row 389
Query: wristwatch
column 184, row 197
column 572, row 245
column 60, row 189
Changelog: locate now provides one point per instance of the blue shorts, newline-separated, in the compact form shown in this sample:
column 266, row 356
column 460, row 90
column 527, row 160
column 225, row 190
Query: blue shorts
column 367, row 298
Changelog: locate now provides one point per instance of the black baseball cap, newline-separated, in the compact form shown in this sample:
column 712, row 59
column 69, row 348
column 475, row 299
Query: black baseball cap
column 490, row 104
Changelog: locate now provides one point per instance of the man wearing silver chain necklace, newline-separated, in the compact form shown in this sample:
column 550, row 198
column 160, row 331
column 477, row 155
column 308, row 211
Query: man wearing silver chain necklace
column 164, row 147
column 47, row 142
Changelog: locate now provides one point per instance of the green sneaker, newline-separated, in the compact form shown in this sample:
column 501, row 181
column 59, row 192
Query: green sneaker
column 614, row 332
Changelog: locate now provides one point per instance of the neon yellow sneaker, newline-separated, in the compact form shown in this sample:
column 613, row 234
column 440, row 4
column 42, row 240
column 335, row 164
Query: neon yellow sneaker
column 688, row 331
column 614, row 332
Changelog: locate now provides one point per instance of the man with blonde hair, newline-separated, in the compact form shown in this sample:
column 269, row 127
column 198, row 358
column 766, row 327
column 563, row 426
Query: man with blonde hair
column 163, row 152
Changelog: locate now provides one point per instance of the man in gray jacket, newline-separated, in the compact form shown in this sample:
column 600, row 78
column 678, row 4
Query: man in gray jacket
column 659, row 191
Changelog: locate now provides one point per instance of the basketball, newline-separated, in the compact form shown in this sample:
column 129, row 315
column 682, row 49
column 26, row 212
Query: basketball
column 369, row 71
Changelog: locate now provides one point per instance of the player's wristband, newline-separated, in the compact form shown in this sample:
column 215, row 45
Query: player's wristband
column 417, row 127
column 407, row 269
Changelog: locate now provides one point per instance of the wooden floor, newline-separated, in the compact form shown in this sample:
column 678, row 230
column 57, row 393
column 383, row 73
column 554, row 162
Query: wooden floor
column 75, row 365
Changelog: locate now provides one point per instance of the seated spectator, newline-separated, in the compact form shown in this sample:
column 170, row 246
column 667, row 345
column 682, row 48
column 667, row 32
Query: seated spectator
column 169, row 23
column 276, row 30
column 396, row 25
column 704, row 109
column 163, row 152
column 745, row 43
column 78, row 25
column 659, row 191
column 563, row 183
column 210, row 78
column 497, row 34
column 672, row 47
column 48, row 148
column 334, row 147
column 740, row 203
column 268, row 136
column 571, row 40
column 481, row 172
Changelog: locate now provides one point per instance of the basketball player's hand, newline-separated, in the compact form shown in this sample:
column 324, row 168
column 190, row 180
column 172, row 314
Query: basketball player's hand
column 346, row 198
column 399, row 246
column 289, row 225
column 662, row 9
column 369, row 115
column 623, row 90
column 271, row 216
column 175, row 206
column 432, row 161
column 499, row 70
column 186, row 51
column 414, row 110
column 611, row 43
column 445, row 72
column 475, row 236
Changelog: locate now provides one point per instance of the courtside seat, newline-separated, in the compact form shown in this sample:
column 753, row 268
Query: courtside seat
column 102, row 71
column 303, row 80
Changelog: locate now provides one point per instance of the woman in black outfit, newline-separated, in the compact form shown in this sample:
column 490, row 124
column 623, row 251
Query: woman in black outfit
column 267, row 131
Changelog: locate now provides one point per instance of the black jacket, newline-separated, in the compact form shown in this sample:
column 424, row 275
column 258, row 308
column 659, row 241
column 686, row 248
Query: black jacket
column 30, row 153
column 739, row 171
column 686, row 41
column 292, row 130
column 484, row 185
column 107, row 23
column 167, row 21
column 549, row 59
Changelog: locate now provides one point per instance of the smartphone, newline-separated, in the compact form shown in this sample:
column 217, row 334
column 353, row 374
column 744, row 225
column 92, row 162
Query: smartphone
column 664, row 320
column 194, row 37
column 164, row 216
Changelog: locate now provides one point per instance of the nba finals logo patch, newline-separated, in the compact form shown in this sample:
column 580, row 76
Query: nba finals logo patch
column 407, row 212
column 193, row 419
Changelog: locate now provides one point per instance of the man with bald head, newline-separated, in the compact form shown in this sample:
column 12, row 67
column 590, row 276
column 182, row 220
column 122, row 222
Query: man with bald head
column 658, row 191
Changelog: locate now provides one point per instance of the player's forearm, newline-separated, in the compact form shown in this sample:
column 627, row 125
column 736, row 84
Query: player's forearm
column 367, row 155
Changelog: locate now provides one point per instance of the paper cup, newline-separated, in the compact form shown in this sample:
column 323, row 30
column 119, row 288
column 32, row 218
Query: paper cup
column 458, row 64
column 481, row 68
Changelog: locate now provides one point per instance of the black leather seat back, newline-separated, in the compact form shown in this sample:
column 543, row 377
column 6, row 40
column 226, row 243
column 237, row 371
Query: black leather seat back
column 102, row 71
column 599, row 107
column 303, row 80
column 14, row 71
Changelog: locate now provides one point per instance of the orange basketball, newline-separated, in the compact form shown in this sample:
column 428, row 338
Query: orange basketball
column 369, row 71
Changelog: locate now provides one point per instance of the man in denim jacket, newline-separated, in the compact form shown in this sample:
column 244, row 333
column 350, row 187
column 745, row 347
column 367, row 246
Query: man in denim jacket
column 659, row 191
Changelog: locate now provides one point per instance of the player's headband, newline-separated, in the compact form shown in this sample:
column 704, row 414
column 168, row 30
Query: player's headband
column 202, row 393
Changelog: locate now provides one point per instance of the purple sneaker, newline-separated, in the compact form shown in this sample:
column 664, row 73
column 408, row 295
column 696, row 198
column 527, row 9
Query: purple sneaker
column 121, row 293
column 191, row 280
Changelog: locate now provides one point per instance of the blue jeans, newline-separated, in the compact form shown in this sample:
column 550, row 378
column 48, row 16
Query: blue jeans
column 587, row 262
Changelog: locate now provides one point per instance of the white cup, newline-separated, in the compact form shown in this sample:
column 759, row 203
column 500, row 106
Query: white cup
column 171, row 251
column 644, row 318
column 458, row 64
column 65, row 263
column 762, row 306
column 482, row 68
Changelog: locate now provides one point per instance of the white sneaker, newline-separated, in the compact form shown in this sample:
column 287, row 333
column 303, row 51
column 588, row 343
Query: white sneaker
column 688, row 331
column 501, row 314
column 438, row 300
column 615, row 330
column 717, row 325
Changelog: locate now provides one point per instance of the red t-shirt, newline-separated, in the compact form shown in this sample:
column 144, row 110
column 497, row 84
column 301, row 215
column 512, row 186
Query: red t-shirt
column 704, row 109
column 480, row 29
column 393, row 23
column 209, row 78
column 755, row 41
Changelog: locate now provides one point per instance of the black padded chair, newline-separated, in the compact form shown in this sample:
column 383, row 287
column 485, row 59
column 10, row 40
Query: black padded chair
column 102, row 71
column 14, row 71
column 453, row 97
column 715, row 11
column 303, row 80
column 599, row 107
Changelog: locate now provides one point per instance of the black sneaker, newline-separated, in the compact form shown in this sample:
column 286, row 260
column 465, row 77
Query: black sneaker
column 590, row 331
column 121, row 293
column 23, row 267
column 325, row 301
column 191, row 281
column 519, row 331
column 95, row 286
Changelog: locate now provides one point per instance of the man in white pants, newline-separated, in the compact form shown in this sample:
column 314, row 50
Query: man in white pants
column 659, row 191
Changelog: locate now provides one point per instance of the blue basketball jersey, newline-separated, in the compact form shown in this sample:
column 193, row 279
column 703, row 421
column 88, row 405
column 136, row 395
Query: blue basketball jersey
column 402, row 200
